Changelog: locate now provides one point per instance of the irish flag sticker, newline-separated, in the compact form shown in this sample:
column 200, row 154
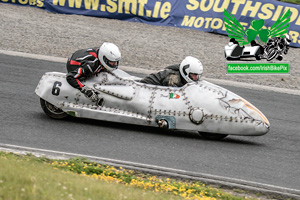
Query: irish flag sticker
column 174, row 96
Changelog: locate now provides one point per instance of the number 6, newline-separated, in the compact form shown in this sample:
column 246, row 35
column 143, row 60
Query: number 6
column 56, row 89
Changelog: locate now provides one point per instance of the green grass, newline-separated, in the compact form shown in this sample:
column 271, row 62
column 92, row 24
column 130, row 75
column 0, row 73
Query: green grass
column 32, row 178
column 291, row 1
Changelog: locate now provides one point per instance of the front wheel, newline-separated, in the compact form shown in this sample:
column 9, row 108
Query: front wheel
column 213, row 136
column 52, row 111
column 272, row 54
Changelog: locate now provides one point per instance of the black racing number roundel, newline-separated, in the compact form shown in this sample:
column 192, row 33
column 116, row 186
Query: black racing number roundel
column 56, row 89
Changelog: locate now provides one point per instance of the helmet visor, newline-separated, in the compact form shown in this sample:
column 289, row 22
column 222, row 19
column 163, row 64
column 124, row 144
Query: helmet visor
column 194, row 77
column 112, row 64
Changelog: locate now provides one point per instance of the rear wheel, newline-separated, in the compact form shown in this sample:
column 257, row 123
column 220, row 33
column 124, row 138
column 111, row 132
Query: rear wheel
column 52, row 111
column 258, row 54
column 213, row 136
column 272, row 54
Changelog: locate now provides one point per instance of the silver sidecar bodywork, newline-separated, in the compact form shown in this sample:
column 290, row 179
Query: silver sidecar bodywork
column 201, row 106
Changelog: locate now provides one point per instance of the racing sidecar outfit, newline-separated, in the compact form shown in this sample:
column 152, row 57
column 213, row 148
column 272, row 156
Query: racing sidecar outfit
column 170, row 76
column 81, row 65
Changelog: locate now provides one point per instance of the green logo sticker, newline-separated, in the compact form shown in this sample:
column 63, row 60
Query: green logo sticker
column 256, row 31
column 265, row 43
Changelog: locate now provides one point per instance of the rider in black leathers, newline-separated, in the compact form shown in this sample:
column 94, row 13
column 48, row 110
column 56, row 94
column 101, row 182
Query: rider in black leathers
column 86, row 63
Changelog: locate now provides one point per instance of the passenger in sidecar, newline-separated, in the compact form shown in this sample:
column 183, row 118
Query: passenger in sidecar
column 189, row 70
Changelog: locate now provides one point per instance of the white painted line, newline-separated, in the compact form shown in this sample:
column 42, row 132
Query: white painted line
column 206, row 178
column 147, row 71
column 34, row 56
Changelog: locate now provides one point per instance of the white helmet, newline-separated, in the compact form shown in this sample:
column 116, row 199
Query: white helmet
column 109, row 52
column 191, row 65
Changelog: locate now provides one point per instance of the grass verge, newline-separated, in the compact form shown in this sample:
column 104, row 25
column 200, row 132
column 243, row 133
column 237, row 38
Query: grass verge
column 291, row 1
column 29, row 177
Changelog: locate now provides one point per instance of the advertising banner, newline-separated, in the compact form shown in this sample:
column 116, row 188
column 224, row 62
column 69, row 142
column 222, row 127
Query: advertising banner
column 203, row 15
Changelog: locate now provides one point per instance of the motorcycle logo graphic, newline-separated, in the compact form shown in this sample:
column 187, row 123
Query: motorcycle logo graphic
column 264, row 43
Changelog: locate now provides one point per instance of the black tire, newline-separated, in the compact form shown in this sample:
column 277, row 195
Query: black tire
column 230, row 58
column 257, row 57
column 213, row 136
column 52, row 111
column 279, row 58
column 272, row 54
column 258, row 54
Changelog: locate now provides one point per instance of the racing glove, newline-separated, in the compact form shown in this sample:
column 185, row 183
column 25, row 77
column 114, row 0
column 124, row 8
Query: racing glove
column 90, row 93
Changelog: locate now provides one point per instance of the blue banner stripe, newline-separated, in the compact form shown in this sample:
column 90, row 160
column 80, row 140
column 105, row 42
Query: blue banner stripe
column 203, row 15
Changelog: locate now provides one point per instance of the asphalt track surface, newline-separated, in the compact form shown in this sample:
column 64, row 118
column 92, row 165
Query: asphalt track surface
column 272, row 159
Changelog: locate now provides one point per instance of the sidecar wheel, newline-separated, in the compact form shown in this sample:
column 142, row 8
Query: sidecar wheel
column 52, row 111
column 213, row 136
